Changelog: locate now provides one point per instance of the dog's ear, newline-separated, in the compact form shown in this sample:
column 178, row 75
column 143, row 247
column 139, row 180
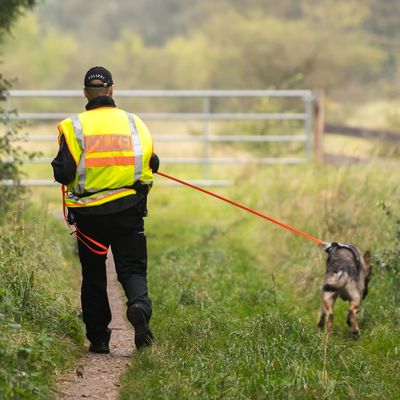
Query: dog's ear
column 367, row 260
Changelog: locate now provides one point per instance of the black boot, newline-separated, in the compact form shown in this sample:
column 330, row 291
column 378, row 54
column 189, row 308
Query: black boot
column 143, row 334
column 100, row 343
column 102, row 347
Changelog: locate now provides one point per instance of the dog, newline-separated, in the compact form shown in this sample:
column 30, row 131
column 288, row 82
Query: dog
column 347, row 275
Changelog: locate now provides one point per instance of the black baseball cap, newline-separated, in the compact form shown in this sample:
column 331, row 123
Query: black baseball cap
column 98, row 73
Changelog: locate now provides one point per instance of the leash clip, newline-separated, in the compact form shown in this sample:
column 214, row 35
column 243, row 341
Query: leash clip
column 327, row 245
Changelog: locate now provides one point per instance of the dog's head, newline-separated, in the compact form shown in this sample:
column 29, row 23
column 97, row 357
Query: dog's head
column 368, row 271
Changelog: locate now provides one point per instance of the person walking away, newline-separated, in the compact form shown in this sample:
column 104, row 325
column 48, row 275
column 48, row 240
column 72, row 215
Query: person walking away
column 106, row 160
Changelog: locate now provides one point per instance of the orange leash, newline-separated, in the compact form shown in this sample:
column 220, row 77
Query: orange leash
column 78, row 234
column 283, row 225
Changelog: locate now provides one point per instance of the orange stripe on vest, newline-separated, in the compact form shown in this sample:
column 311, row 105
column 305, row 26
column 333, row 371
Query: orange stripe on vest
column 107, row 161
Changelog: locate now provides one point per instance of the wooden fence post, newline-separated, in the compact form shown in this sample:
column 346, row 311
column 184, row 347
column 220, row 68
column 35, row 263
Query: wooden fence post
column 318, row 126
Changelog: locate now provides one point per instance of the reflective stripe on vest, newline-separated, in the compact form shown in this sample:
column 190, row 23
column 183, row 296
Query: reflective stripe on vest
column 72, row 200
column 76, row 123
column 137, row 147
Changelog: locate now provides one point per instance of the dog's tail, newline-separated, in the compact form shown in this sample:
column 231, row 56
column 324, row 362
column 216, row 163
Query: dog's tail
column 334, row 281
column 329, row 288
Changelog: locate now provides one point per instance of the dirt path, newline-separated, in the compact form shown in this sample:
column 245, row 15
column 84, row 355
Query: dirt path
column 96, row 376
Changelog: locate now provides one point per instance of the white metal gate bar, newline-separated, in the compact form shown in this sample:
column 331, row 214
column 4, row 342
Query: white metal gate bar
column 198, row 138
column 178, row 116
column 168, row 93
column 206, row 116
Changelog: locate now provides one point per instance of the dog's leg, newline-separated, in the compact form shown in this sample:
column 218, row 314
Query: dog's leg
column 352, row 317
column 328, row 301
column 322, row 314
column 348, row 321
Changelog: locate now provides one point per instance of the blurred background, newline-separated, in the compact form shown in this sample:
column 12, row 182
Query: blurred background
column 349, row 48
column 344, row 52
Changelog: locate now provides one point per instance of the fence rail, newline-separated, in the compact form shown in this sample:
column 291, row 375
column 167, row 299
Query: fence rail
column 197, row 138
column 364, row 133
column 322, row 128
column 205, row 116
column 169, row 93
column 177, row 116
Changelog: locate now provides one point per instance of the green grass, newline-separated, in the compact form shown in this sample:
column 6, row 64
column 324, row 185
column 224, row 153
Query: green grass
column 40, row 331
column 236, row 298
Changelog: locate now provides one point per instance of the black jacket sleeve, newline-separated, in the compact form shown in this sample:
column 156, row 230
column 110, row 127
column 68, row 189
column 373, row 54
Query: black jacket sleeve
column 64, row 166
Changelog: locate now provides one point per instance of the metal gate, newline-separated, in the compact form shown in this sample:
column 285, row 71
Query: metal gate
column 206, row 112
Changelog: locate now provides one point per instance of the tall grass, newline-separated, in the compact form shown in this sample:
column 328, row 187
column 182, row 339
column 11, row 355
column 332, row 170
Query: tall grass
column 236, row 298
column 40, row 329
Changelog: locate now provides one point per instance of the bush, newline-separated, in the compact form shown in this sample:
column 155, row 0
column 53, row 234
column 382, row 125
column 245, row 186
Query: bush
column 40, row 328
column 388, row 259
column 11, row 155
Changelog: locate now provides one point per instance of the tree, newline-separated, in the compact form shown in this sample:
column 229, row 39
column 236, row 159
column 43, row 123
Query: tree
column 10, row 156
column 10, row 10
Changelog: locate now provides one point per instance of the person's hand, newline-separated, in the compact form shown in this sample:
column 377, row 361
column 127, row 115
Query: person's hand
column 154, row 163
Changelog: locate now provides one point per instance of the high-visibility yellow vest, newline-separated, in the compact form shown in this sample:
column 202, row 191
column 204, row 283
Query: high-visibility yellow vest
column 111, row 149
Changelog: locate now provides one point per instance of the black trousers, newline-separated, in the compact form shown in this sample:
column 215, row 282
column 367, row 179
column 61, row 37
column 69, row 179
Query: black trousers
column 124, row 232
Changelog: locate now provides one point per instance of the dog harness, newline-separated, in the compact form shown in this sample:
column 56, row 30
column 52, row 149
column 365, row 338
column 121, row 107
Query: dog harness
column 335, row 245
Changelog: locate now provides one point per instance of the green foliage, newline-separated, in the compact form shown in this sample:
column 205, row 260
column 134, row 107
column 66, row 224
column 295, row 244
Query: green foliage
column 10, row 10
column 388, row 260
column 230, row 44
column 342, row 46
column 51, row 69
column 10, row 156
column 40, row 328
column 157, row 21
column 382, row 19
column 154, row 20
